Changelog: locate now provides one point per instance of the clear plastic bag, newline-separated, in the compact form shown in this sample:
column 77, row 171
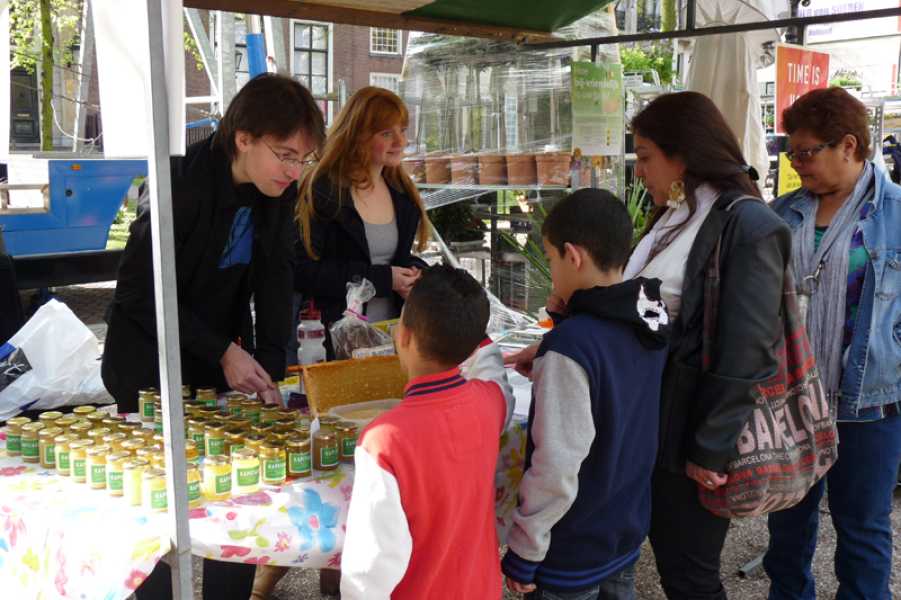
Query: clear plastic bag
column 353, row 331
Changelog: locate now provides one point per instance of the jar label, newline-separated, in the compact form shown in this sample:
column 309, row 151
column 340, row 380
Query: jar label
column 30, row 448
column 215, row 446
column 158, row 500
column 236, row 411
column 98, row 474
column 78, row 467
column 62, row 460
column 211, row 402
column 274, row 469
column 234, row 447
column 328, row 456
column 148, row 410
column 193, row 491
column 300, row 462
column 198, row 440
column 254, row 417
column 248, row 476
column 50, row 454
column 348, row 446
column 158, row 427
column 114, row 480
column 223, row 484
column 13, row 443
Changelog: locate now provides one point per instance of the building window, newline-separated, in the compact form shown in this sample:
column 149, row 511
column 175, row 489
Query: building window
column 384, row 41
column 311, row 57
column 389, row 81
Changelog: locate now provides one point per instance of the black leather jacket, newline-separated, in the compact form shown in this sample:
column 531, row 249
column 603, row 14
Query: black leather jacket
column 702, row 414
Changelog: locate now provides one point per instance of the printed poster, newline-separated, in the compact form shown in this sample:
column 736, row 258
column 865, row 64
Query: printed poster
column 597, row 105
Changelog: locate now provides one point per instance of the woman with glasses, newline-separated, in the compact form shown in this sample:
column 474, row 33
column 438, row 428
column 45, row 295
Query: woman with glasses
column 360, row 213
column 233, row 198
column 846, row 255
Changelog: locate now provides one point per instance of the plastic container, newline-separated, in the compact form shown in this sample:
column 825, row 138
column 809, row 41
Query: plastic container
column 310, row 338
column 362, row 413
column 464, row 169
column 492, row 169
column 521, row 169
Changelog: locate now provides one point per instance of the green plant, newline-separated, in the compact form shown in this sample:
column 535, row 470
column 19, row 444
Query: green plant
column 457, row 223
column 656, row 57
column 637, row 207
column 531, row 250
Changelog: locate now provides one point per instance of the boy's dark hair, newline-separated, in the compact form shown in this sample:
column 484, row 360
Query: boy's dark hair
column 595, row 220
column 447, row 311
column 271, row 104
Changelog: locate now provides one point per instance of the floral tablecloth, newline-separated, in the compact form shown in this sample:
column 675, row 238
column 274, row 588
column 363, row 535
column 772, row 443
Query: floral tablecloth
column 302, row 525
column 59, row 539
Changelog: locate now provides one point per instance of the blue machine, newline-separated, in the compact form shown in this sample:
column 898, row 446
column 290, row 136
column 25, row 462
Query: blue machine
column 84, row 197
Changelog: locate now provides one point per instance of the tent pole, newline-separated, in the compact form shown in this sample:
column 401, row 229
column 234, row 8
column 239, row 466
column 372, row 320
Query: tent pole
column 163, row 239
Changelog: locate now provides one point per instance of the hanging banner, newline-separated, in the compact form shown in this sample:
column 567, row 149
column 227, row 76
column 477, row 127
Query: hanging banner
column 597, row 101
column 798, row 71
column 789, row 180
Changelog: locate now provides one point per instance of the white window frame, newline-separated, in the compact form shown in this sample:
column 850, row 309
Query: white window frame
column 394, row 76
column 400, row 42
column 330, row 58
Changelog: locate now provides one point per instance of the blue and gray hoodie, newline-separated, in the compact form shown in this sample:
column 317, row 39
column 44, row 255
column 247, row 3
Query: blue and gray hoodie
column 585, row 499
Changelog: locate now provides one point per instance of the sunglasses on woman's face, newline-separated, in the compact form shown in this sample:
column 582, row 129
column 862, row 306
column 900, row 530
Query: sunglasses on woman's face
column 807, row 154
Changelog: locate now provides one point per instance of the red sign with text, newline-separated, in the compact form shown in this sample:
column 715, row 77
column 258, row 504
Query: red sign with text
column 798, row 70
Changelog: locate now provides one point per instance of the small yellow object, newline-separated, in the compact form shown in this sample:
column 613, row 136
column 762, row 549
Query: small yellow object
column 96, row 418
column 115, row 472
column 158, row 459
column 299, row 457
column 132, row 474
column 31, row 452
column 78, row 459
column 273, row 463
column 217, row 478
column 153, row 490
column 61, row 443
column 98, row 433
column 14, row 435
column 245, row 472
column 195, row 497
column 81, row 411
column 47, row 446
column 254, row 441
column 65, row 422
column 81, row 428
column 96, row 466
column 47, row 418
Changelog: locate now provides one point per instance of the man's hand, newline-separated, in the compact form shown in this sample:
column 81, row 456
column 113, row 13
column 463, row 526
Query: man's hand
column 243, row 372
column 270, row 396
column 519, row 588
column 522, row 360
column 709, row 479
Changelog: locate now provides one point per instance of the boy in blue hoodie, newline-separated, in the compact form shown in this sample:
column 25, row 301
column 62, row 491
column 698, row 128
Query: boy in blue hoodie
column 585, row 499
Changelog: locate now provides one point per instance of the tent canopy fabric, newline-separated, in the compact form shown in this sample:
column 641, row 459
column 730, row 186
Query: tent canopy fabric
column 519, row 20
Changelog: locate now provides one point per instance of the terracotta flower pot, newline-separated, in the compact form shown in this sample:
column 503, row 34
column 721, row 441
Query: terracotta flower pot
column 521, row 169
column 437, row 168
column 492, row 169
column 464, row 169
column 415, row 168
column 553, row 168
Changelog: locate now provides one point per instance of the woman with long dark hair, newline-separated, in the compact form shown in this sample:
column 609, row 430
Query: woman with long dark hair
column 694, row 170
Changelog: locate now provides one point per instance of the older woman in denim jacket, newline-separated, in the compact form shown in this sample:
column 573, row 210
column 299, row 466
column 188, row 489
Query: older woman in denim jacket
column 846, row 229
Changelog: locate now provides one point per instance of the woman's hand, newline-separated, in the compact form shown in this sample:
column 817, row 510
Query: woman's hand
column 243, row 372
column 709, row 479
column 555, row 304
column 523, row 360
column 519, row 588
column 402, row 280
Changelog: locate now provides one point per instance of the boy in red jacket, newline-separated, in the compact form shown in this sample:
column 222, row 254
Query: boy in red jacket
column 421, row 519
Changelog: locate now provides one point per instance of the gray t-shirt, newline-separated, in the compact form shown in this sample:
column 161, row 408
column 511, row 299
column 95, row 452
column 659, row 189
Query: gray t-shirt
column 382, row 241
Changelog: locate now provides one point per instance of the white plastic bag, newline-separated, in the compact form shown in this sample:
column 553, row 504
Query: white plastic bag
column 65, row 364
column 353, row 331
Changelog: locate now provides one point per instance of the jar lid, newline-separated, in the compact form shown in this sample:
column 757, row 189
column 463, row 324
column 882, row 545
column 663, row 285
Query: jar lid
column 18, row 421
column 81, row 443
column 298, row 441
column 99, row 432
column 218, row 459
column 50, row 432
column 50, row 415
column 135, row 463
column 133, row 443
column 96, row 416
column 115, row 456
column 99, row 449
column 65, row 438
column 36, row 426
column 243, row 453
column 115, row 437
column 153, row 473
column 324, row 434
column 345, row 426
column 83, row 410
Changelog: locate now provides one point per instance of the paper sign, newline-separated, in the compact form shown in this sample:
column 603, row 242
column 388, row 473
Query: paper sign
column 789, row 180
column 798, row 71
column 597, row 100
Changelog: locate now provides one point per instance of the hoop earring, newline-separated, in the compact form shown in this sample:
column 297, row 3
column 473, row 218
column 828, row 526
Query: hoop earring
column 676, row 194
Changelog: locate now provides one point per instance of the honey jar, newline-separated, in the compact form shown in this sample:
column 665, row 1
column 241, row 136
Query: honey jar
column 131, row 445
column 115, row 440
column 113, row 422
column 157, row 458
column 96, row 418
column 254, row 441
column 78, row 459
column 325, row 450
column 192, row 454
column 145, row 404
column 61, row 443
column 234, row 401
column 245, row 472
column 98, row 433
column 288, row 415
column 145, row 434
column 299, row 457
column 273, row 467
column 158, row 423
column 81, row 429
column 347, row 440
column 115, row 472
column 96, row 466
column 196, row 433
column 48, row 417
column 251, row 410
column 185, row 393
column 217, row 477
column 31, row 452
column 195, row 497
column 14, row 435
column 282, row 427
column 153, row 490
column 214, row 439
column 65, row 422
column 132, row 476
column 234, row 440
column 240, row 423
column 262, row 428
column 207, row 396
column 269, row 414
column 328, row 421
column 129, row 427
column 47, row 446
column 82, row 411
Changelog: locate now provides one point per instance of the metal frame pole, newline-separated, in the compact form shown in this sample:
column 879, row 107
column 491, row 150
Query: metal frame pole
column 166, row 299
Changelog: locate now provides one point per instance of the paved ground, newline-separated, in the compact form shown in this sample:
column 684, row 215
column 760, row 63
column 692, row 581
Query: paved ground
column 747, row 539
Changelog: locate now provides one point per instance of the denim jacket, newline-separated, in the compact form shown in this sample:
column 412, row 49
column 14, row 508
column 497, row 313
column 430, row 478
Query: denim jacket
column 872, row 374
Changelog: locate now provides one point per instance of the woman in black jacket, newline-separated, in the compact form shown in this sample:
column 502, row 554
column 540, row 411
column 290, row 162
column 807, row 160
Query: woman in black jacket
column 693, row 168
column 359, row 212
